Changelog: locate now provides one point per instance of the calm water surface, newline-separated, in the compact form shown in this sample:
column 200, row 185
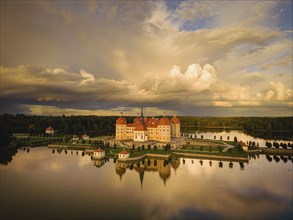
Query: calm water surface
column 43, row 185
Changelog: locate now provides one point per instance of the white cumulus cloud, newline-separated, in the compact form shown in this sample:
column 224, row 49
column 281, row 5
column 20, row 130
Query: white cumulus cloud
column 88, row 77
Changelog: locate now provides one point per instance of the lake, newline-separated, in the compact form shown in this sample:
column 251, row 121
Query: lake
column 40, row 184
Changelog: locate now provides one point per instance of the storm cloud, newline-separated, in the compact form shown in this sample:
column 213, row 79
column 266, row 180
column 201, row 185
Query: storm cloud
column 90, row 57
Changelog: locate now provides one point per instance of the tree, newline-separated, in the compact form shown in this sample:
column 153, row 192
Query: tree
column 210, row 149
column 142, row 147
column 167, row 147
column 83, row 141
column 138, row 148
column 155, row 147
column 221, row 138
column 115, row 145
column 149, row 147
column 201, row 136
column 215, row 137
column 235, row 139
column 228, row 138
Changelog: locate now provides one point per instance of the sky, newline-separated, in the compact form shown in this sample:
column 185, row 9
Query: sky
column 197, row 58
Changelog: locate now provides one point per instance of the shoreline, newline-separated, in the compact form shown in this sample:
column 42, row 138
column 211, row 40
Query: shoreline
column 262, row 150
column 186, row 155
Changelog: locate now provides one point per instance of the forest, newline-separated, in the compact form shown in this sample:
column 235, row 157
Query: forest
column 101, row 125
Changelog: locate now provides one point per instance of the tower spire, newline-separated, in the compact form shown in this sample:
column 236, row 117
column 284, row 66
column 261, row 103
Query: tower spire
column 141, row 116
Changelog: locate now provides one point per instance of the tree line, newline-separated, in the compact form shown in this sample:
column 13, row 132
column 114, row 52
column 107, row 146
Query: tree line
column 97, row 125
column 246, row 123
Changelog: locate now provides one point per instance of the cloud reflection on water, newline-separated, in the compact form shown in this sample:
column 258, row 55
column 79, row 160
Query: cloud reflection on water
column 70, row 186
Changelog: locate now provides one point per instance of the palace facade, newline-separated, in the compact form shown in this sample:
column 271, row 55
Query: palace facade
column 148, row 129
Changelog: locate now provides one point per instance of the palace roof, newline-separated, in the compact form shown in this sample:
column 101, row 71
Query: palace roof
column 140, row 127
column 136, row 120
column 164, row 121
column 147, row 122
column 121, row 121
column 175, row 120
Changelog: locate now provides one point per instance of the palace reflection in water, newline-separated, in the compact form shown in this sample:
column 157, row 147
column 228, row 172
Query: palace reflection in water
column 46, row 184
column 157, row 165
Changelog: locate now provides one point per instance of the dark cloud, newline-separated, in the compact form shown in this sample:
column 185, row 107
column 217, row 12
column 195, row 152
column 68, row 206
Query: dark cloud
column 99, row 55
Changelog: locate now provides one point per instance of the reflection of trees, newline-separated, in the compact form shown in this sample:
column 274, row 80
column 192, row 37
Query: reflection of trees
column 241, row 165
column 269, row 158
column 6, row 155
column 201, row 162
column 276, row 158
column 270, row 135
column 284, row 159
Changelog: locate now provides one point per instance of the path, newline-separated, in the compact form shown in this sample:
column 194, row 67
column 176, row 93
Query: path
column 228, row 146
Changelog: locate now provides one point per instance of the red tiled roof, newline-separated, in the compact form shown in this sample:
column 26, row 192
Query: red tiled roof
column 175, row 120
column 130, row 125
column 123, row 152
column 121, row 121
column 49, row 129
column 136, row 120
column 146, row 120
column 153, row 122
column 99, row 150
column 241, row 143
column 140, row 127
column 164, row 121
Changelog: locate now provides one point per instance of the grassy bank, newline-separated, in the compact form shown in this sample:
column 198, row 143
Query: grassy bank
column 33, row 142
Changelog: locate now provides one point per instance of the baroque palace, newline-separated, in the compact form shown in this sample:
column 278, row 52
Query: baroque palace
column 148, row 129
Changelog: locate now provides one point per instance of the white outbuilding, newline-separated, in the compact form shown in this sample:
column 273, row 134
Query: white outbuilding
column 123, row 154
column 99, row 154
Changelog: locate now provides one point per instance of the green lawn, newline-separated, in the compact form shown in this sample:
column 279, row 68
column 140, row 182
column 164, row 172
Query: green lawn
column 135, row 152
column 231, row 143
column 202, row 148
column 236, row 152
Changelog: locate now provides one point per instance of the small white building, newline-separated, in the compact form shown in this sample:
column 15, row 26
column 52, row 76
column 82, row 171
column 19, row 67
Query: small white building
column 123, row 154
column 75, row 138
column 99, row 154
column 49, row 130
column 85, row 137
